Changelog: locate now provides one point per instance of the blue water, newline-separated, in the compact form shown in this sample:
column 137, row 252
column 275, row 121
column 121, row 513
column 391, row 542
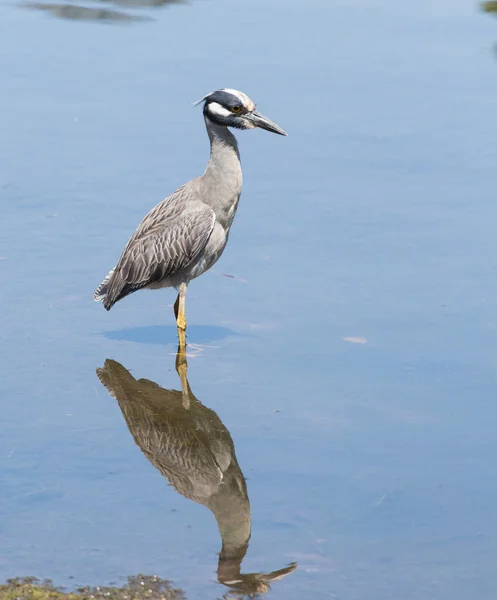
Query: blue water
column 369, row 462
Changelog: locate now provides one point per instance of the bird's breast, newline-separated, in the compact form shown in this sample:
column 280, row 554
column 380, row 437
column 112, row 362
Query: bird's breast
column 213, row 250
column 226, row 211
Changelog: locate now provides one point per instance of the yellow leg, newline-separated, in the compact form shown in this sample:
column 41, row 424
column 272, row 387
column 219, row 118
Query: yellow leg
column 181, row 318
column 182, row 370
column 179, row 313
column 179, row 307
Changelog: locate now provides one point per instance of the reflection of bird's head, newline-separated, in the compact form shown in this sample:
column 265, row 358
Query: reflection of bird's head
column 252, row 584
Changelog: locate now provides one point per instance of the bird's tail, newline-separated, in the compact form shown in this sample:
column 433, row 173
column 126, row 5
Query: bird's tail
column 101, row 292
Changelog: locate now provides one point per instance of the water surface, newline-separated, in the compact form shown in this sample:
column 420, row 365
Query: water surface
column 368, row 462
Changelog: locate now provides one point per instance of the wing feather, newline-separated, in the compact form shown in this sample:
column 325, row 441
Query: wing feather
column 168, row 240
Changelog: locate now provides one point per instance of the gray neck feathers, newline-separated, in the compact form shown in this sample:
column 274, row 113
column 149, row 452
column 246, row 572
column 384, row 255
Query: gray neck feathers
column 223, row 176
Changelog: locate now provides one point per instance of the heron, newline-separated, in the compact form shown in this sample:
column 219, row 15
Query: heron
column 185, row 234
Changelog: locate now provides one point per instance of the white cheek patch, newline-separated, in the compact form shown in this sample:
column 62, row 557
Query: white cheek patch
column 216, row 109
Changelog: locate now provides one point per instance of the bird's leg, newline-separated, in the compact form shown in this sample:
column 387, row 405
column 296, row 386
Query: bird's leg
column 179, row 312
column 179, row 307
column 182, row 370
column 176, row 307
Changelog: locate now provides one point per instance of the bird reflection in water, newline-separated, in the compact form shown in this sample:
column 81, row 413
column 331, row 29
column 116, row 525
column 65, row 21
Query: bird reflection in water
column 190, row 446
column 79, row 12
column 84, row 13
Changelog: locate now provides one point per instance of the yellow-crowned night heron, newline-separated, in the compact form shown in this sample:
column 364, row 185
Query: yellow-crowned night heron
column 186, row 233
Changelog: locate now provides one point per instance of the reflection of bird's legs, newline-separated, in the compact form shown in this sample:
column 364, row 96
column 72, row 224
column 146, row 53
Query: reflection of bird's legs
column 182, row 370
column 179, row 313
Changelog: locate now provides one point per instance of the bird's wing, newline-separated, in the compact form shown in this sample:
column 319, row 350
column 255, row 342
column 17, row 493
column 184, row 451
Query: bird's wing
column 168, row 248
column 167, row 210
column 168, row 240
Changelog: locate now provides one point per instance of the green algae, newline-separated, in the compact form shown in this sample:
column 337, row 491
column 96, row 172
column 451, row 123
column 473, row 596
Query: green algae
column 490, row 6
column 141, row 587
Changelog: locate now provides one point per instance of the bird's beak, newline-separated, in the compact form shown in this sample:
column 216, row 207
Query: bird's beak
column 258, row 120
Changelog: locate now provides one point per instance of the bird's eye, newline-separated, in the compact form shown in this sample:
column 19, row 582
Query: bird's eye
column 236, row 109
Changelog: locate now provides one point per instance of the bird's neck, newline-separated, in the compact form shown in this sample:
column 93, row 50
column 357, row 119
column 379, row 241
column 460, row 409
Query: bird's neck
column 231, row 507
column 224, row 171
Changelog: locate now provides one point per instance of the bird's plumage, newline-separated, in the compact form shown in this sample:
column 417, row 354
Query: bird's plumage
column 185, row 234
column 168, row 241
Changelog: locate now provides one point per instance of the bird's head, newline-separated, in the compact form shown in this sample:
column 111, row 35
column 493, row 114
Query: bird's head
column 232, row 108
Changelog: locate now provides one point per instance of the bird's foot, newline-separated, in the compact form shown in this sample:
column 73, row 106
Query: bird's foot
column 181, row 322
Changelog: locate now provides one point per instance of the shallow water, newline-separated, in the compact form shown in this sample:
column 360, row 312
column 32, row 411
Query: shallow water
column 350, row 352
